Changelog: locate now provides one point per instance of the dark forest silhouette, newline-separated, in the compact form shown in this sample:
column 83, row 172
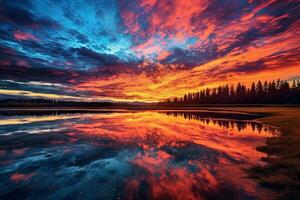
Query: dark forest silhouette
column 56, row 103
column 274, row 92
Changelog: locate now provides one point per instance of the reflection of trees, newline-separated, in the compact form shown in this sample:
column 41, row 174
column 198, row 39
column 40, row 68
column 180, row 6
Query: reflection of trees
column 227, row 124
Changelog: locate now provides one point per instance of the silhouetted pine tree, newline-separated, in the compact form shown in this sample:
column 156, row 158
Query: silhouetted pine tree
column 279, row 92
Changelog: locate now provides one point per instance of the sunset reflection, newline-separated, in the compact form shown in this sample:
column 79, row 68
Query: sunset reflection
column 130, row 155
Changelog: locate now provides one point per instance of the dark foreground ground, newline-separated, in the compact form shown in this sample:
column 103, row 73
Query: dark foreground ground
column 282, row 172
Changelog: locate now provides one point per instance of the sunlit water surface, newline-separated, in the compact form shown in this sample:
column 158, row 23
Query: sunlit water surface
column 137, row 155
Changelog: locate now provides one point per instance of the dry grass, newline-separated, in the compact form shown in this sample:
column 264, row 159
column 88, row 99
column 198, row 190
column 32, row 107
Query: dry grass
column 282, row 172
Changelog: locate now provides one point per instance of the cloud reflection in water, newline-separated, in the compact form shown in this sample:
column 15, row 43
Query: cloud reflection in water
column 129, row 156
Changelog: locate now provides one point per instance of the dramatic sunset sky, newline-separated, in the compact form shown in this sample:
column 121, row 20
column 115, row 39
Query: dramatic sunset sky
column 143, row 50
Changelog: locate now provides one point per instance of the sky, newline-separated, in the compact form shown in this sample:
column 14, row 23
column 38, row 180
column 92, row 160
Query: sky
column 143, row 50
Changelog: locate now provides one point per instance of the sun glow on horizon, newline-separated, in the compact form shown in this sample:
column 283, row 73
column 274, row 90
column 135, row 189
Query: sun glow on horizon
column 144, row 50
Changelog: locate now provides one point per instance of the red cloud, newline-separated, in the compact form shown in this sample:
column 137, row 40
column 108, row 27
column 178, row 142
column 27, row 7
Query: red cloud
column 24, row 36
column 17, row 177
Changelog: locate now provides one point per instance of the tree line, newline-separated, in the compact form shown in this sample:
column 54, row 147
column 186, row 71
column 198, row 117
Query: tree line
column 273, row 92
column 56, row 103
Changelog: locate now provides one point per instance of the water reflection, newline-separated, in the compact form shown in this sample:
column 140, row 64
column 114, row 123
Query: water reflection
column 139, row 155
column 239, row 125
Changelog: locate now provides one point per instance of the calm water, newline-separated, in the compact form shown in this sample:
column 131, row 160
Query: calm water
column 139, row 155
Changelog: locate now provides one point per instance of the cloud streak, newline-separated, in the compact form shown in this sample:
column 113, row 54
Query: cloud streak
column 145, row 50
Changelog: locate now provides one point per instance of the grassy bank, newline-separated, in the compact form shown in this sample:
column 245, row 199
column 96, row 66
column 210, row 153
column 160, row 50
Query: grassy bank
column 282, row 172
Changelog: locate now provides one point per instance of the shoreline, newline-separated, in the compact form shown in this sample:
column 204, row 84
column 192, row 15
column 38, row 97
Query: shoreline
column 281, row 174
column 282, row 170
column 204, row 112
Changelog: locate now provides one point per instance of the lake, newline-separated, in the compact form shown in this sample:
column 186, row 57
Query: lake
column 129, row 155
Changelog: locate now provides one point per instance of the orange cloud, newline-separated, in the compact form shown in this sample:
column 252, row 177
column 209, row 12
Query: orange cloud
column 276, row 55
